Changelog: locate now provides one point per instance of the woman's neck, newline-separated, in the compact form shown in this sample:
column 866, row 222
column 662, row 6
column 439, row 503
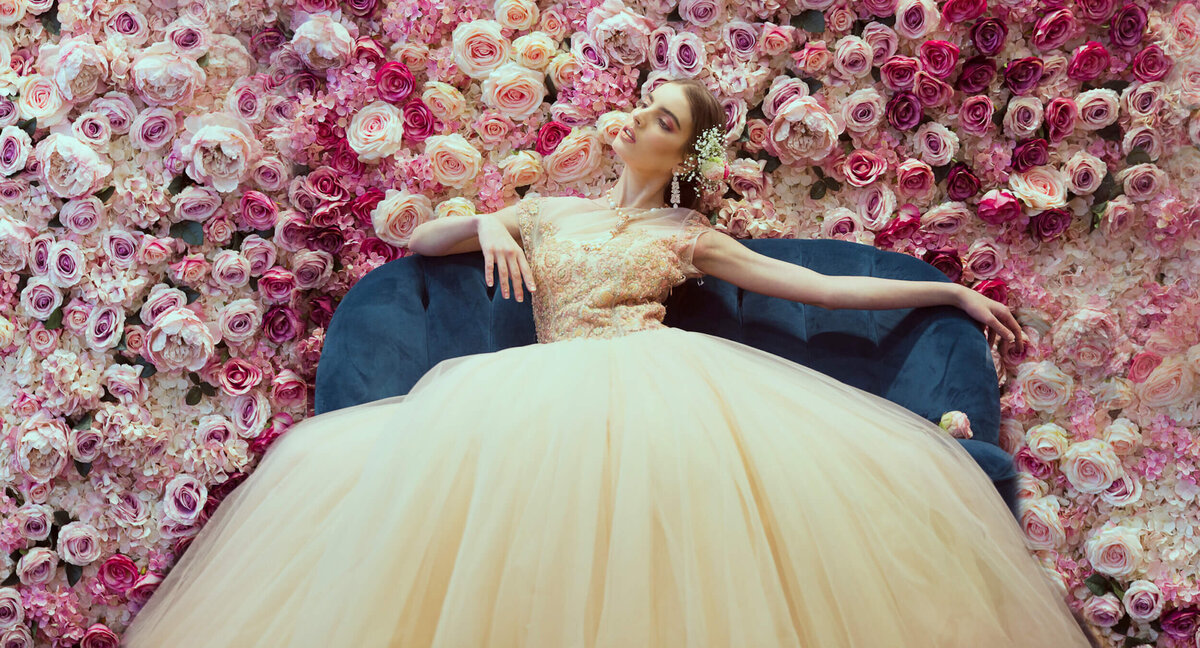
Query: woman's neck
column 638, row 191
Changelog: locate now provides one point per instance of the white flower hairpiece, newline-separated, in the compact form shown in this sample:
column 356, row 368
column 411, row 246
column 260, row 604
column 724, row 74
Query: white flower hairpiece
column 707, row 166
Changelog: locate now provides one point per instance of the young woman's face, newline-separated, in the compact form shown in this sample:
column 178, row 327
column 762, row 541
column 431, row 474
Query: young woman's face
column 657, row 131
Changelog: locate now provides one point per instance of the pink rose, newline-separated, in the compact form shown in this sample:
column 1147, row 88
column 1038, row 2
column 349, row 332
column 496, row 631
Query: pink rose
column 863, row 110
column 79, row 543
column 514, row 90
column 1044, row 386
column 1103, row 611
column 277, row 285
column 1170, row 383
column 1088, row 62
column 1142, row 181
column 66, row 263
column 40, row 298
column 395, row 82
column 1115, row 551
column 37, row 566
column 117, row 574
column 517, row 15
column 1143, row 600
column 398, row 214
column 312, row 268
column 69, row 167
column 104, row 327
column 1098, row 108
column 862, row 167
column 1042, row 525
column 322, row 42
column 238, row 321
column 183, row 498
column 776, row 39
column 250, row 414
column 376, row 131
column 288, row 389
column 1091, row 466
column 915, row 18
column 230, row 269
column 238, row 376
column 179, row 340
column 164, row 77
column 535, row 50
column 217, row 149
column 899, row 72
column 985, row 259
column 190, row 270
column 453, row 161
column 802, row 132
column 577, row 157
column 686, row 55
column 33, row 521
column 521, row 169
column 915, row 179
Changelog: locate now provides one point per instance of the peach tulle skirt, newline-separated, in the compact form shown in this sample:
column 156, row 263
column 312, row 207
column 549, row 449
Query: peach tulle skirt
column 664, row 488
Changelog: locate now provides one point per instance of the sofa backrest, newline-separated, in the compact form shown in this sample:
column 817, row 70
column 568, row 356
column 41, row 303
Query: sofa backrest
column 404, row 317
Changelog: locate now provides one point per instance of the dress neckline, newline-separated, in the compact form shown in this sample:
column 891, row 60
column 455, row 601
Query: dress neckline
column 604, row 205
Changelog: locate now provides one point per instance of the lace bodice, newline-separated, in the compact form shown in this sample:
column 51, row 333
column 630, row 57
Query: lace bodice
column 592, row 283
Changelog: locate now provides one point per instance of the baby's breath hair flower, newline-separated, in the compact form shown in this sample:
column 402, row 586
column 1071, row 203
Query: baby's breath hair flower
column 708, row 167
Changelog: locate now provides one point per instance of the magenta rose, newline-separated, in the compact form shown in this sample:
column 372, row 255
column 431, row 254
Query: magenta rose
column 1128, row 26
column 903, row 111
column 1095, row 11
column 938, row 57
column 1050, row 223
column 257, row 211
column 961, row 184
column 899, row 72
column 977, row 73
column 1060, row 116
column 1029, row 154
column 550, row 135
column 947, row 261
column 238, row 376
column 988, row 36
column 1088, row 62
column 1151, row 64
column 117, row 574
column 419, row 122
column 1022, row 75
column 975, row 114
column 960, row 11
column 901, row 228
column 395, row 82
column 281, row 324
column 1053, row 29
column 277, row 285
column 930, row 90
column 1181, row 623
column 996, row 289
column 998, row 207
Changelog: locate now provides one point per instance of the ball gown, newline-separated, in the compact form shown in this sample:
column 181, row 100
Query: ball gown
column 620, row 483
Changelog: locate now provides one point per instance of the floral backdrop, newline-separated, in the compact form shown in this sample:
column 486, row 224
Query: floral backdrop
column 187, row 189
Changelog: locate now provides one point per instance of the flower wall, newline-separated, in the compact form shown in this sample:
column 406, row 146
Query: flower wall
column 187, row 189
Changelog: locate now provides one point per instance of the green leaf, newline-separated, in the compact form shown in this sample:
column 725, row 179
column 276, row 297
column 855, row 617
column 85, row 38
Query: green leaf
column 193, row 396
column 83, row 423
column 190, row 231
column 817, row 170
column 1097, row 584
column 179, row 183
column 49, row 20
column 832, row 184
column 148, row 368
column 83, row 468
column 207, row 389
column 1137, row 156
column 192, row 295
column 202, row 61
column 29, row 126
column 812, row 21
column 105, row 193
column 55, row 222
column 62, row 518
column 74, row 573
column 55, row 320
column 817, row 191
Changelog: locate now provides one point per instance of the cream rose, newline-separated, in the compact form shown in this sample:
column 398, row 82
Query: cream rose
column 1091, row 466
column 69, row 167
column 398, row 214
column 1042, row 525
column 444, row 100
column 535, row 50
column 514, row 90
column 577, row 157
column 522, row 168
column 478, row 47
column 1171, row 383
column 452, row 159
column 164, row 77
column 40, row 99
column 179, row 340
column 802, row 132
column 1045, row 387
column 322, row 42
column 219, row 149
column 1047, row 441
column 454, row 207
column 1115, row 551
column 1123, row 435
column 1041, row 187
column 376, row 131
column 518, row 15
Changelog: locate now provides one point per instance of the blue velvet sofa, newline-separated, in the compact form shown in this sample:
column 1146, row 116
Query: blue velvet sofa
column 404, row 317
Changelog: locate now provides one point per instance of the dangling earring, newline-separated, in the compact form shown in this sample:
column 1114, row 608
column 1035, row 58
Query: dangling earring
column 675, row 189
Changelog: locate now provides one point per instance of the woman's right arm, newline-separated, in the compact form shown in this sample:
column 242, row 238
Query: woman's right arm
column 459, row 234
column 497, row 235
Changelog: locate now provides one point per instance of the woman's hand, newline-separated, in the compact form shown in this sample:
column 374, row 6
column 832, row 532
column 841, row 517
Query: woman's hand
column 999, row 320
column 501, row 250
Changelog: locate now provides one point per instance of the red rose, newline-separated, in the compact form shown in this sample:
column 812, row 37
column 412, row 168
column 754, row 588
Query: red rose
column 550, row 135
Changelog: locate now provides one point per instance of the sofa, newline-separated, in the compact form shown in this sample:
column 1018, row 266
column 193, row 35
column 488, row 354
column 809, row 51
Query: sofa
column 411, row 313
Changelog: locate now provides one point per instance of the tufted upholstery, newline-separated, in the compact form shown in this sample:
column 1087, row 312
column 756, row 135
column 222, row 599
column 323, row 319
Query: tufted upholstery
column 404, row 317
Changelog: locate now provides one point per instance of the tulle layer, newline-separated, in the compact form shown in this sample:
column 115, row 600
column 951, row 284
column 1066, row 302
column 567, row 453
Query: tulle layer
column 664, row 488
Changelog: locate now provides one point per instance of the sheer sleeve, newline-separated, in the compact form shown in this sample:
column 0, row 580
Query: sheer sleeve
column 693, row 225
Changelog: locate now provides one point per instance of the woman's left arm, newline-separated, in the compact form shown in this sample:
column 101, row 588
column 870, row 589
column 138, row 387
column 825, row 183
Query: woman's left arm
column 723, row 257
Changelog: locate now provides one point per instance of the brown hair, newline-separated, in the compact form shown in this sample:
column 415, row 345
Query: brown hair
column 706, row 113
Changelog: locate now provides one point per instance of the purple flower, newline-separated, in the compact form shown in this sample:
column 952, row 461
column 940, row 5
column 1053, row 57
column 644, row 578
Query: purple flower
column 904, row 111
column 988, row 35
column 1127, row 26
column 1023, row 75
column 1060, row 117
column 961, row 183
column 1181, row 623
column 1050, row 224
column 977, row 73
column 1029, row 154
column 281, row 324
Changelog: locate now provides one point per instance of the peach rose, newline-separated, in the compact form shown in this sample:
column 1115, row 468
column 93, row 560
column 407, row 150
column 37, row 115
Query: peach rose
column 577, row 157
column 322, row 42
column 564, row 69
column 915, row 179
column 1115, row 551
column 1171, row 383
column 179, row 340
column 1045, row 387
column 1042, row 525
column 39, row 98
column 802, row 132
column 398, row 214
column 518, row 15
column 219, row 149
column 452, row 159
column 1091, row 466
column 11, row 12
column 535, row 50
column 479, row 47
column 1047, row 441
column 1041, row 187
column 522, row 168
column 457, row 206
column 376, row 131
column 444, row 100
column 514, row 90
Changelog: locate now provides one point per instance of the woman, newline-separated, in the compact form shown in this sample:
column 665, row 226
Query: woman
column 622, row 483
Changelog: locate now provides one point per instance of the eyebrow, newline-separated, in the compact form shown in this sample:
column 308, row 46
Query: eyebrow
column 673, row 117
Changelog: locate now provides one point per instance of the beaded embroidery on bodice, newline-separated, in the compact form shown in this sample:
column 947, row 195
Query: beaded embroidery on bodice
column 596, row 279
